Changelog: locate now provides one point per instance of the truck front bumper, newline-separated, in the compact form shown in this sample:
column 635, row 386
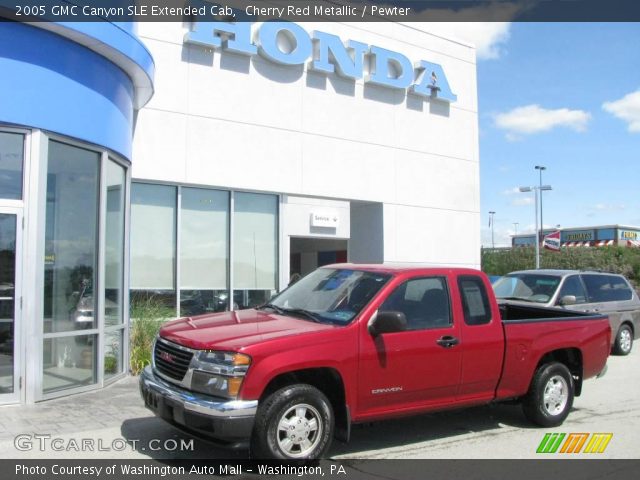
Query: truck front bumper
column 229, row 421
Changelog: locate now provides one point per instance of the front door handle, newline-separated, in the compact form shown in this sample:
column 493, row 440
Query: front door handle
column 447, row 341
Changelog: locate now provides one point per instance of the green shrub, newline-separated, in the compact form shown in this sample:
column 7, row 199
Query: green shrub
column 623, row 260
column 110, row 364
column 148, row 313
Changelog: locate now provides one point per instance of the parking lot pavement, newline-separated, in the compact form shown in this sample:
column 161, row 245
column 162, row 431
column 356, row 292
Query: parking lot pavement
column 119, row 426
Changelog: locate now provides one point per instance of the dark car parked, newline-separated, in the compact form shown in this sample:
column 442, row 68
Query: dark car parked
column 583, row 291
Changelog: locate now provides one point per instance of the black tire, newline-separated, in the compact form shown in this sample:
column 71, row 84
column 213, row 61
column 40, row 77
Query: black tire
column 624, row 341
column 310, row 416
column 550, row 396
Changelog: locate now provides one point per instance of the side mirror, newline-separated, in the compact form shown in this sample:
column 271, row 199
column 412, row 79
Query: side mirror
column 387, row 322
column 568, row 300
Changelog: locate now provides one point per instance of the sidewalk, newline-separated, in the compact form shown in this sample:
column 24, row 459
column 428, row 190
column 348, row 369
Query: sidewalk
column 113, row 422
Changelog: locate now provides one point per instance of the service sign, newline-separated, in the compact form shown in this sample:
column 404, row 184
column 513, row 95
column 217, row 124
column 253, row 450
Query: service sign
column 287, row 43
column 325, row 219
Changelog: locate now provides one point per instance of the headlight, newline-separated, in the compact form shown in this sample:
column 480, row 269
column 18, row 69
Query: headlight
column 219, row 373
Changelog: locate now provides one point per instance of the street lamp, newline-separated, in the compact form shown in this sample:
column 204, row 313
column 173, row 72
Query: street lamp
column 493, row 243
column 540, row 168
column 536, row 191
column 515, row 227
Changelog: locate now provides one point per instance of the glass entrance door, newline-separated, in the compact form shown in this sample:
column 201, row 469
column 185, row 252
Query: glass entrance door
column 10, row 304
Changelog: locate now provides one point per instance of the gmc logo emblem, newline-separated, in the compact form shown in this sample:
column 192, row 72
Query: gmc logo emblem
column 167, row 357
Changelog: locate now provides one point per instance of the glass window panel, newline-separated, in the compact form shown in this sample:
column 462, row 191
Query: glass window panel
column 113, row 353
column 423, row 301
column 114, row 245
column 475, row 301
column 255, row 244
column 573, row 286
column 153, row 237
column 70, row 238
column 161, row 302
column 197, row 302
column 11, row 161
column 7, row 300
column 204, row 251
column 69, row 362
column 204, row 244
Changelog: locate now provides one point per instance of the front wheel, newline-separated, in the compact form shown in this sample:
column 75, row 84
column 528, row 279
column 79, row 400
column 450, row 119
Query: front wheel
column 550, row 396
column 294, row 422
column 624, row 341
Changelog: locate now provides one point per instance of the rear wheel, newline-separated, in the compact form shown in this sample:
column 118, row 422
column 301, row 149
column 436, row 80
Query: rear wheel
column 550, row 396
column 624, row 341
column 294, row 422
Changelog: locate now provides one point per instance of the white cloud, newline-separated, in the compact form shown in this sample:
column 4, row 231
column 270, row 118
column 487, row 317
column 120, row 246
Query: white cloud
column 519, row 202
column 511, row 191
column 489, row 38
column 610, row 207
column 626, row 108
column 532, row 119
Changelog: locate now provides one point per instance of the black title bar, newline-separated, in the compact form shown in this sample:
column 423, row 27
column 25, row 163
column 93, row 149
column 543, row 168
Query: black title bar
column 321, row 10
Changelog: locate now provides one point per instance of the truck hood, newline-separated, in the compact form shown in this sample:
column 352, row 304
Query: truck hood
column 233, row 330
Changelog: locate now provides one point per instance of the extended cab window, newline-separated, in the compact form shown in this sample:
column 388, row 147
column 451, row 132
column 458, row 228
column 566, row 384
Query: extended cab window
column 606, row 288
column 572, row 286
column 475, row 301
column 423, row 301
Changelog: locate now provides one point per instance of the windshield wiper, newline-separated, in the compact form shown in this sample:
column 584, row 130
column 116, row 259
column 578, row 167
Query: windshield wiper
column 302, row 312
column 272, row 306
column 293, row 311
column 521, row 299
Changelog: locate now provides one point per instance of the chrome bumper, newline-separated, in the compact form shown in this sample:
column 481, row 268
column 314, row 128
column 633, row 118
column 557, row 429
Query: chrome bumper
column 195, row 402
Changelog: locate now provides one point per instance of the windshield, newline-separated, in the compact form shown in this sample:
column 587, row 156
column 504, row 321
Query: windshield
column 329, row 295
column 530, row 287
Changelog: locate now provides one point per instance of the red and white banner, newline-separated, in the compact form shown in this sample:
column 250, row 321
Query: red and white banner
column 552, row 241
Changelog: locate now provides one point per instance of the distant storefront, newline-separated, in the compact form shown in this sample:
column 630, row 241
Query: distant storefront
column 601, row 236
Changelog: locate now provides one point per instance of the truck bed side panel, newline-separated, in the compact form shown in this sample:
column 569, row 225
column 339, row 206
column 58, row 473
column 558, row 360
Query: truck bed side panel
column 528, row 340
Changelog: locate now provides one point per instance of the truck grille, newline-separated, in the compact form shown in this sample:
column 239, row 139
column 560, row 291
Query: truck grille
column 171, row 361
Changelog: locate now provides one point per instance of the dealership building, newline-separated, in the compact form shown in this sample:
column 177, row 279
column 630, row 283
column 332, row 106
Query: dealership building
column 201, row 165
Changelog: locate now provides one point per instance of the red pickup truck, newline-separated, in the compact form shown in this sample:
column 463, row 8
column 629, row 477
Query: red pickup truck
column 357, row 343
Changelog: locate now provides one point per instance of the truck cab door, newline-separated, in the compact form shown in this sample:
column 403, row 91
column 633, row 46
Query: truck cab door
column 483, row 339
column 416, row 367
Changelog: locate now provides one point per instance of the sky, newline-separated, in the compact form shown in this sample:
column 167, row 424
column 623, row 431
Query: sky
column 565, row 96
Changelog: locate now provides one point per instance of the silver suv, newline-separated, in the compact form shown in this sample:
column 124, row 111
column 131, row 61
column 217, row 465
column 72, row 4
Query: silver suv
column 584, row 291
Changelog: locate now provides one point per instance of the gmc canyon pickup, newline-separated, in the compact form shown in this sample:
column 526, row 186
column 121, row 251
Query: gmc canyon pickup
column 357, row 343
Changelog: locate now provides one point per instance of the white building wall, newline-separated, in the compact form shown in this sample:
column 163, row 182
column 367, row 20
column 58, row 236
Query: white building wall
column 232, row 121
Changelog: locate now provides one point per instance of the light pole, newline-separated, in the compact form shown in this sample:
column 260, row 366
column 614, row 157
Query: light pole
column 540, row 168
column 515, row 227
column 493, row 243
column 536, row 191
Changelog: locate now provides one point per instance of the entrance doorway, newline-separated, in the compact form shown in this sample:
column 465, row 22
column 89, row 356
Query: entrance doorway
column 10, row 304
column 307, row 254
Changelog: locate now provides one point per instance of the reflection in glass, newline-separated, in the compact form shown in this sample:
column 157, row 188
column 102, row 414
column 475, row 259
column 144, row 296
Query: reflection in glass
column 255, row 244
column 69, row 362
column 197, row 302
column 7, row 303
column 153, row 241
column 204, row 251
column 112, row 353
column 114, row 245
column 11, row 160
column 70, row 238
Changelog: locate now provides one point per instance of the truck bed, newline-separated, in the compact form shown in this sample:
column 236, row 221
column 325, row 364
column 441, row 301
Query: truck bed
column 512, row 312
column 530, row 331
